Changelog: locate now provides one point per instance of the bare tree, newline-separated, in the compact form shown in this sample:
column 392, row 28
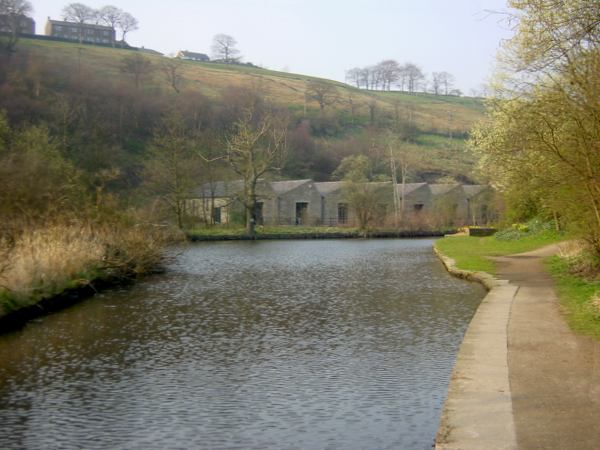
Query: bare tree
column 224, row 47
column 127, row 23
column 138, row 67
column 324, row 94
column 442, row 82
column 110, row 16
column 255, row 147
column 389, row 72
column 436, row 83
column 11, row 13
column 414, row 76
column 172, row 70
column 354, row 76
column 81, row 14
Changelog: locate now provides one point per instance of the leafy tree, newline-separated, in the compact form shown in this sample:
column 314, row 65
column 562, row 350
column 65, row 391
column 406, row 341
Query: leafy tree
column 546, row 114
column 361, row 197
column 173, row 167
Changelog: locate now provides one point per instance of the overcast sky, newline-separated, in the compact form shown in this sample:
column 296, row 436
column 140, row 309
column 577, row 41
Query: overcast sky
column 322, row 37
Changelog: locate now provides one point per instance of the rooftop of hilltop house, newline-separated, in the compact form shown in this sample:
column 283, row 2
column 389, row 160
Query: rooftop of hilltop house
column 185, row 54
column 93, row 26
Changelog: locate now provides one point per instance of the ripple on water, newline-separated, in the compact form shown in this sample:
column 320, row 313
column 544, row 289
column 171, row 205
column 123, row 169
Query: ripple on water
column 336, row 344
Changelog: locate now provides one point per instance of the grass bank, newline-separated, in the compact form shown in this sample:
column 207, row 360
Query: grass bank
column 299, row 232
column 471, row 253
column 579, row 297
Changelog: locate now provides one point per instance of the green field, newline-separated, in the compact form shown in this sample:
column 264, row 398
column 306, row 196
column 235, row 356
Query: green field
column 431, row 113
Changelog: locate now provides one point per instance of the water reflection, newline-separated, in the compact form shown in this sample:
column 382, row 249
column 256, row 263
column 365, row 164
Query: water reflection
column 316, row 344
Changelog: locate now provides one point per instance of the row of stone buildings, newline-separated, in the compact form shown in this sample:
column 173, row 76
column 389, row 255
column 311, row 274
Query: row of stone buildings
column 306, row 202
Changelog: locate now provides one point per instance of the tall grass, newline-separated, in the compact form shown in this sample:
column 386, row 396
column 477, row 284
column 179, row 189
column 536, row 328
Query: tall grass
column 44, row 261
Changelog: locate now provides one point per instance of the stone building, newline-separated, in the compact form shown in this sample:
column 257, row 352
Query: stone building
column 23, row 24
column 306, row 202
column 84, row 32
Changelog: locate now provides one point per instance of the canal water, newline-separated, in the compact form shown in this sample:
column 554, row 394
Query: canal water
column 246, row 345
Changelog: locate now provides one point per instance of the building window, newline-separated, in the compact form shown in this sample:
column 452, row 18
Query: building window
column 342, row 213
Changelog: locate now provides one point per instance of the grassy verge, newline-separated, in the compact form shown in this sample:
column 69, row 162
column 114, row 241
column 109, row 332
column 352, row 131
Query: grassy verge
column 578, row 297
column 232, row 233
column 292, row 232
column 471, row 253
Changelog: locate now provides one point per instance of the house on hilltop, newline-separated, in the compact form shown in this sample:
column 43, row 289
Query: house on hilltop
column 80, row 32
column 306, row 202
column 22, row 24
column 191, row 56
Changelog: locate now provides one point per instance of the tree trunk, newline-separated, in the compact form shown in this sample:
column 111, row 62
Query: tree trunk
column 250, row 222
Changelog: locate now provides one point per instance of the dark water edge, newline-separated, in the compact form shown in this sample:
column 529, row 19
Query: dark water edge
column 399, row 234
column 333, row 344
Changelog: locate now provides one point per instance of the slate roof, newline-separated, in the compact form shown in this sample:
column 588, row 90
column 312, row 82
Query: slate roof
column 441, row 189
column 471, row 190
column 281, row 187
column 327, row 187
column 219, row 189
column 82, row 25
column 410, row 187
column 264, row 187
column 193, row 55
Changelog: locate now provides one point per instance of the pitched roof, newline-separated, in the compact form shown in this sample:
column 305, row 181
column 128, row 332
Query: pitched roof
column 219, row 189
column 410, row 187
column 83, row 25
column 471, row 190
column 187, row 54
column 281, row 187
column 327, row 187
column 441, row 189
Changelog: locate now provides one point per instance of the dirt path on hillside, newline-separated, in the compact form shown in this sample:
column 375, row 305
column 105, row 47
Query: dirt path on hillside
column 554, row 374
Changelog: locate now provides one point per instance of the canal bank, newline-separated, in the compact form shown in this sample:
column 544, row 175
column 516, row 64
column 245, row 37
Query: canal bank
column 291, row 234
column 519, row 339
column 478, row 409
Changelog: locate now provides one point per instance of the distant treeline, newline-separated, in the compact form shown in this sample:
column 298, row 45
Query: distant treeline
column 406, row 77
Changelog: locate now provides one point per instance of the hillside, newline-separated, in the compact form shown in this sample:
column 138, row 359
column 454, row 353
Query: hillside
column 354, row 123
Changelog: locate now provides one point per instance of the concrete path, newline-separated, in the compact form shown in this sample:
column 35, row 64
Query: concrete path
column 554, row 374
column 522, row 378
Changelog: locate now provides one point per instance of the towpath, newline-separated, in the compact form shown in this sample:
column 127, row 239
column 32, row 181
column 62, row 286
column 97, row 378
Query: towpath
column 554, row 374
